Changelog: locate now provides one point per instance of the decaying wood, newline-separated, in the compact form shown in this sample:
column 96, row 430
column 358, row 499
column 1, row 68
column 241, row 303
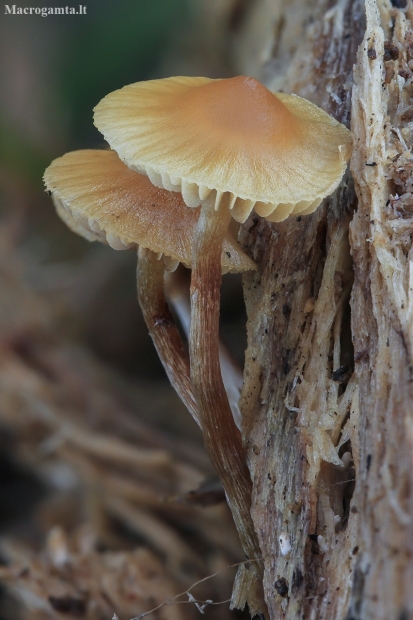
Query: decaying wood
column 327, row 398
column 382, row 306
column 326, row 403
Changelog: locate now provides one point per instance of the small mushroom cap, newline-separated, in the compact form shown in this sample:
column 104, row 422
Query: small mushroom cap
column 228, row 141
column 100, row 198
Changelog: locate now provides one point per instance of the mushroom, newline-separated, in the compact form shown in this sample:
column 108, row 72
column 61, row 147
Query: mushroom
column 100, row 198
column 232, row 375
column 230, row 146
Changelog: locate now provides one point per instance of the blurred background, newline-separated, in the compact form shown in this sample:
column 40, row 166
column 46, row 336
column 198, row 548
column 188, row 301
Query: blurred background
column 54, row 70
column 97, row 454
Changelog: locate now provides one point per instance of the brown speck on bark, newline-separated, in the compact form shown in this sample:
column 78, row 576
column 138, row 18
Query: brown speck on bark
column 391, row 52
column 281, row 587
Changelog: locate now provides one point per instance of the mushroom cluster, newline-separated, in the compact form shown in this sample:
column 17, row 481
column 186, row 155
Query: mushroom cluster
column 101, row 199
column 223, row 148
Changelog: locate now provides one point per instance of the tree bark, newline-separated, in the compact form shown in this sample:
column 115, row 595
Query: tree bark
column 327, row 397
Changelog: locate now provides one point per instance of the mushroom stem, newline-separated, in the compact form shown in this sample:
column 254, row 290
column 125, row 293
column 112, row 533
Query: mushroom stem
column 221, row 436
column 178, row 297
column 160, row 322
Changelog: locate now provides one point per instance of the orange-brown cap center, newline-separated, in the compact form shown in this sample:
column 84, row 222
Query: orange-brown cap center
column 237, row 107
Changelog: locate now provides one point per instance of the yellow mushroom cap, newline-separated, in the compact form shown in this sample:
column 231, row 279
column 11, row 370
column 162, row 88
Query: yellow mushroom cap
column 227, row 140
column 100, row 198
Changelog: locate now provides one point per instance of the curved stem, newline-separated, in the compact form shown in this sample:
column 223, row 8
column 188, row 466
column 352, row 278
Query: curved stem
column 221, row 436
column 160, row 322
column 232, row 376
